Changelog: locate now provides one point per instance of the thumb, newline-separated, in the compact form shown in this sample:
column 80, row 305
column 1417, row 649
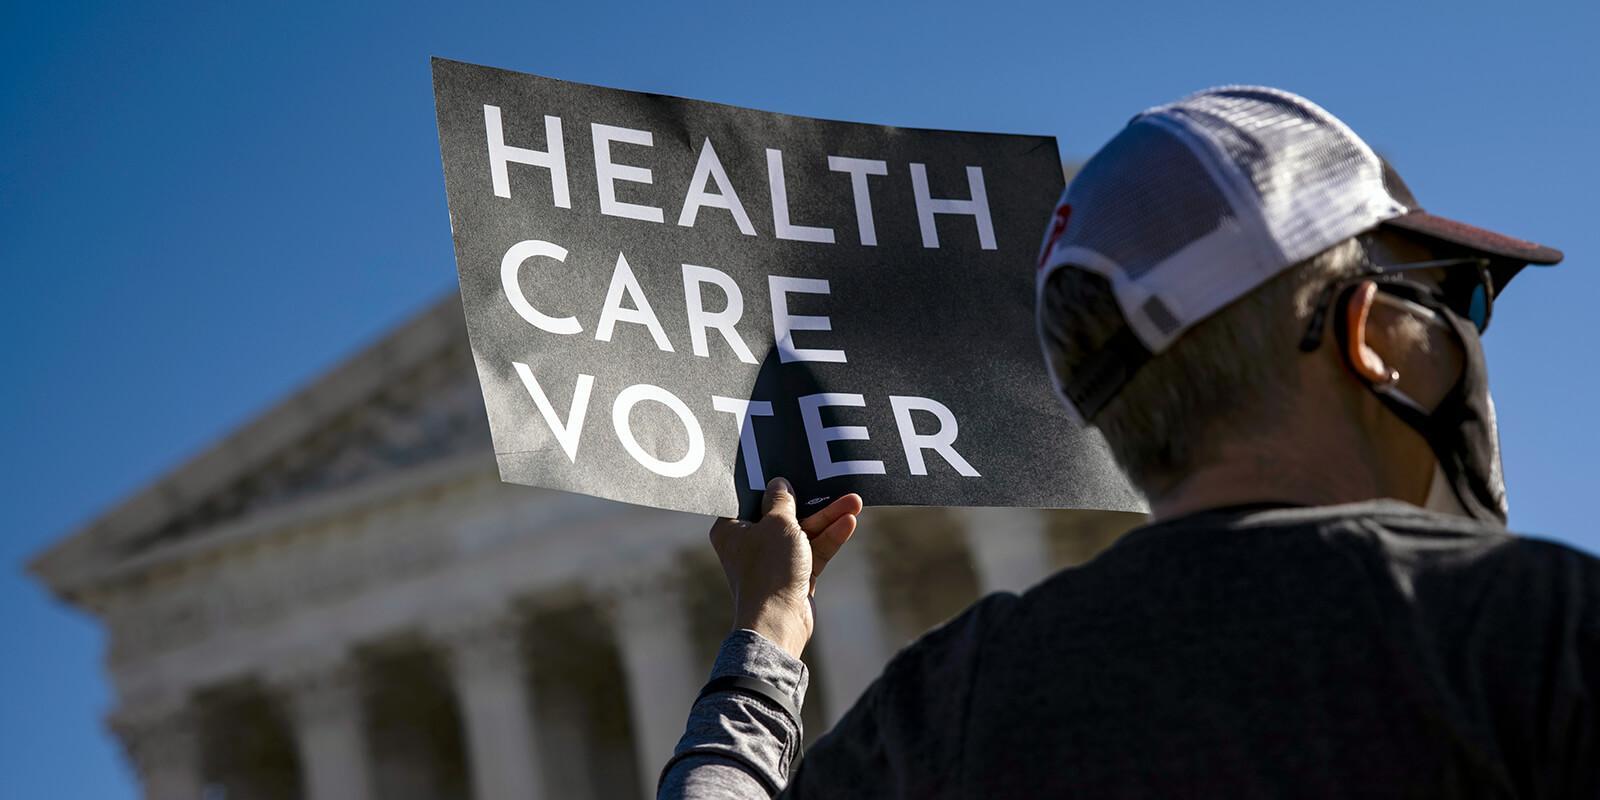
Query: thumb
column 779, row 499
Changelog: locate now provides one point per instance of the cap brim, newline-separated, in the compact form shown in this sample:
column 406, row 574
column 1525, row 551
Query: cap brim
column 1497, row 245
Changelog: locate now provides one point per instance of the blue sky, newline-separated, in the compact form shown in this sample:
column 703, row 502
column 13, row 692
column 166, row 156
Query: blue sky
column 204, row 205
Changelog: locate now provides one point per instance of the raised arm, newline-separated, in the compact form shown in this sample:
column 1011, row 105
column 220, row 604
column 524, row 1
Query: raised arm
column 744, row 730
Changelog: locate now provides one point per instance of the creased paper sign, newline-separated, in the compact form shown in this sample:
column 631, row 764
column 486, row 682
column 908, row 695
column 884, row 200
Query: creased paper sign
column 672, row 301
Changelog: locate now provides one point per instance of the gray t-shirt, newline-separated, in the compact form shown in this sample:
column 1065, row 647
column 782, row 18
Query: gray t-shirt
column 1366, row 650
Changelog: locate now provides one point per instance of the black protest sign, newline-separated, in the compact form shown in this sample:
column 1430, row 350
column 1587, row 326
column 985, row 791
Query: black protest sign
column 672, row 301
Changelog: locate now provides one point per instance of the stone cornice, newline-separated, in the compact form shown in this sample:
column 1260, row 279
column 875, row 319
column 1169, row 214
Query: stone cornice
column 231, row 629
column 229, row 485
column 240, row 535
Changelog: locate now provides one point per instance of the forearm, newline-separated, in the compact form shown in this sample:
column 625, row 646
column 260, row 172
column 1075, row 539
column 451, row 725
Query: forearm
column 735, row 745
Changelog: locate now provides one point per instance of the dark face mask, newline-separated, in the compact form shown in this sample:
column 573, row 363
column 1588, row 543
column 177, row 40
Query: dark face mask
column 1461, row 431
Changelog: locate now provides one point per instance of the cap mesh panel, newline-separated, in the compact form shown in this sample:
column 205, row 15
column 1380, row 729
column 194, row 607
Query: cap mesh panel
column 1307, row 173
column 1143, row 197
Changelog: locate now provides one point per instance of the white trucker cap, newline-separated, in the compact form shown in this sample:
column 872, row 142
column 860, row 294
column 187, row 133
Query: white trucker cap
column 1198, row 202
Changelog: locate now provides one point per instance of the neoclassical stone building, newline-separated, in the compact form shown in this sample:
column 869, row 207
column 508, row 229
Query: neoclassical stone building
column 340, row 601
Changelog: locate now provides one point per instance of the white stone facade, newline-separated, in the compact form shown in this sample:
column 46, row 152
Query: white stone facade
column 341, row 601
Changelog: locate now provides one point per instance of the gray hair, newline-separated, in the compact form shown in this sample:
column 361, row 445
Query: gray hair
column 1231, row 375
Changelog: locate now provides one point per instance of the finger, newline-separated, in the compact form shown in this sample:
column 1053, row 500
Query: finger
column 819, row 522
column 779, row 499
column 826, row 545
column 721, row 529
column 831, row 541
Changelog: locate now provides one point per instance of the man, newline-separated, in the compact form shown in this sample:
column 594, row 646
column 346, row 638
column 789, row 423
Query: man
column 1282, row 352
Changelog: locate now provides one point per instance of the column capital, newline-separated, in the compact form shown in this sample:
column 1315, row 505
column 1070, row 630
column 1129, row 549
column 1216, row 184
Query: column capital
column 852, row 632
column 481, row 641
column 635, row 594
column 319, row 685
column 980, row 519
column 1010, row 547
column 157, row 734
column 489, row 668
column 162, row 739
column 323, row 693
column 644, row 601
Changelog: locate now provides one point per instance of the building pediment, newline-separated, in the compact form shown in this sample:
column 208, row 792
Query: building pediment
column 408, row 400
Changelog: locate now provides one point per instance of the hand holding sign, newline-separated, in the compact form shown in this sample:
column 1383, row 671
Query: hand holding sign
column 670, row 301
column 773, row 564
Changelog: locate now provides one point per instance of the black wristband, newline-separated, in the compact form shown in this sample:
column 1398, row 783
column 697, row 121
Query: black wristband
column 752, row 686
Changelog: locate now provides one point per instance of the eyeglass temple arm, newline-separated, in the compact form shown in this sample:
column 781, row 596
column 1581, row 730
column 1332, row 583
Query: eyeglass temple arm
column 1386, row 269
column 1319, row 315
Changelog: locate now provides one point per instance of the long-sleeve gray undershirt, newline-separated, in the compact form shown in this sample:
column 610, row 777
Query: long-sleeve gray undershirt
column 737, row 746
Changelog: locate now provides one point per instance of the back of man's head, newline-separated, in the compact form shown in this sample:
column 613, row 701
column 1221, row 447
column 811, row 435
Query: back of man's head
column 1233, row 375
column 1194, row 260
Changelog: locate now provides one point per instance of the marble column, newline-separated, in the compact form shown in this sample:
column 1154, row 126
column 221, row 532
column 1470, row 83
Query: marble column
column 164, row 745
column 651, row 625
column 325, row 707
column 852, row 640
column 1010, row 547
column 489, row 673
